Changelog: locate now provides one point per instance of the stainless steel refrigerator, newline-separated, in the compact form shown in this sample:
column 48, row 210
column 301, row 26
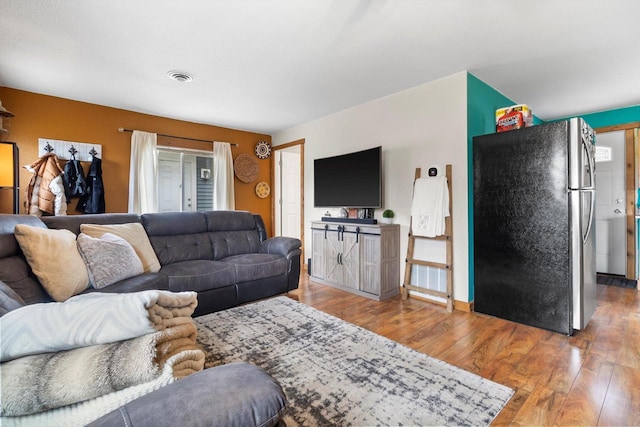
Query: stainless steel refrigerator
column 533, row 225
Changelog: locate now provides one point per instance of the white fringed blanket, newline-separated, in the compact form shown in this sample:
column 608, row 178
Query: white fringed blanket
column 81, row 414
column 91, row 319
column 45, row 381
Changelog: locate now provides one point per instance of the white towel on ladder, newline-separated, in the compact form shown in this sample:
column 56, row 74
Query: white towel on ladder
column 430, row 206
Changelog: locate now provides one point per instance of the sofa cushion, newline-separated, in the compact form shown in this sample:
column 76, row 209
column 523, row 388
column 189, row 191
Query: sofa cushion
column 9, row 299
column 73, row 222
column 142, row 282
column 199, row 275
column 15, row 272
column 257, row 266
column 229, row 220
column 54, row 259
column 180, row 248
column 109, row 259
column 135, row 234
column 236, row 394
column 229, row 243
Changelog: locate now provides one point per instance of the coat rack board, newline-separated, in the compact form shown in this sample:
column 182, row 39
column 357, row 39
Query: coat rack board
column 63, row 149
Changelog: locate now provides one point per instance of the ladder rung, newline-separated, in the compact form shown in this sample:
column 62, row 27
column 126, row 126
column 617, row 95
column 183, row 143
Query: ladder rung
column 441, row 237
column 427, row 291
column 428, row 263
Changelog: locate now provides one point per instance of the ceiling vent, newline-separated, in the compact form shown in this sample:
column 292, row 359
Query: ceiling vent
column 180, row 76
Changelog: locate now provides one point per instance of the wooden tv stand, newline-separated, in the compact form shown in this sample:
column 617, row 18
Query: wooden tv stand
column 360, row 258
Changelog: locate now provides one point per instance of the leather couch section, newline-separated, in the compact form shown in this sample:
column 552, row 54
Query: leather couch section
column 237, row 394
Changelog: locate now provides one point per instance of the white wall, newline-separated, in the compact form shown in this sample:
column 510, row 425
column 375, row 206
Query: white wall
column 418, row 127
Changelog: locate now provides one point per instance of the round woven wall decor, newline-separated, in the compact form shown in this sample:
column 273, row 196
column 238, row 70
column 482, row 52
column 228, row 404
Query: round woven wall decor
column 263, row 190
column 246, row 168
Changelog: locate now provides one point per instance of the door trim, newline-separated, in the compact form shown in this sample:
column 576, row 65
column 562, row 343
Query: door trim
column 630, row 184
column 299, row 142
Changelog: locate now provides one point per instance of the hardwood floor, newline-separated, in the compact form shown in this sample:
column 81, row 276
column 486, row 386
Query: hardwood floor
column 589, row 379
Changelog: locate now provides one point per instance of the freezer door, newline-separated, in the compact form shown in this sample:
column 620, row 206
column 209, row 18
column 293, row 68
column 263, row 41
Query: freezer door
column 521, row 227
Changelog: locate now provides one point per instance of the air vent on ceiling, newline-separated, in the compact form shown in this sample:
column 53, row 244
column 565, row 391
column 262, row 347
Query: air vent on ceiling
column 180, row 76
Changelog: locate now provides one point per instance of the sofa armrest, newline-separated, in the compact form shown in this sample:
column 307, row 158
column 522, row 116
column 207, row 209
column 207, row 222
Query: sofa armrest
column 237, row 394
column 286, row 246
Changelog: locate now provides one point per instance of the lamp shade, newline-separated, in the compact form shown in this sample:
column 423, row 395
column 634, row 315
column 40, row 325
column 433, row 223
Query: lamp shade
column 6, row 165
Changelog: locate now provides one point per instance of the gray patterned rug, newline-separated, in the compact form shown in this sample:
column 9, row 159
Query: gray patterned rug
column 336, row 373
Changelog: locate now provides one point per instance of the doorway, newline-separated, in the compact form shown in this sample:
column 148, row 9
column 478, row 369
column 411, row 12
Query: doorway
column 288, row 200
column 182, row 185
column 611, row 226
column 617, row 241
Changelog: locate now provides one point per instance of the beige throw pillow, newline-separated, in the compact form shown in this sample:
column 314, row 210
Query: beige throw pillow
column 109, row 259
column 54, row 258
column 133, row 233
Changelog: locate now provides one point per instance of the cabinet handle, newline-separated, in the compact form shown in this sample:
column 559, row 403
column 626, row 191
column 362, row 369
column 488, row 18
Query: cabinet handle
column 326, row 227
column 340, row 255
column 357, row 233
column 338, row 259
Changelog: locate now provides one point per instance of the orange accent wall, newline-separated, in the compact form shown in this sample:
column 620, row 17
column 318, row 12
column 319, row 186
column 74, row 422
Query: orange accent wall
column 42, row 116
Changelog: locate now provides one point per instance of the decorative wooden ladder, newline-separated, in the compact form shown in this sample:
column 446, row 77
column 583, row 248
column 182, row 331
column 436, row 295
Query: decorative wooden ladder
column 447, row 266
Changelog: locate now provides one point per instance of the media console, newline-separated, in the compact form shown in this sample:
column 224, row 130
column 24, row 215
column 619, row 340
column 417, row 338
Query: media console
column 360, row 258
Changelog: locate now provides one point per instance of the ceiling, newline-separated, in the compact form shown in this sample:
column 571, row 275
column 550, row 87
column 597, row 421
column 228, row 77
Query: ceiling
column 267, row 65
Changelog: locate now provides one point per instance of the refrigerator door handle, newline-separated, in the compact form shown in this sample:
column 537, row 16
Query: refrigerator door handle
column 592, row 208
column 591, row 188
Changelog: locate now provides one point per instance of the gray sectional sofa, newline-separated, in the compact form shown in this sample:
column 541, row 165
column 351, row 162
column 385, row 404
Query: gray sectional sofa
column 224, row 256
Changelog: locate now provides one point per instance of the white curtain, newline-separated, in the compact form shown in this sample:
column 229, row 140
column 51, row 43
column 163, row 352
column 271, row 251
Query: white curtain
column 143, row 193
column 223, row 191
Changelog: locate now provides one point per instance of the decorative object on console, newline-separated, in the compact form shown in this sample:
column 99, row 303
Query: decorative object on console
column 246, row 168
column 263, row 150
column 387, row 216
column 263, row 190
column 336, row 373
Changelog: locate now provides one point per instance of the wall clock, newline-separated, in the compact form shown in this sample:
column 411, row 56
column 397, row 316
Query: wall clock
column 263, row 149
column 263, row 190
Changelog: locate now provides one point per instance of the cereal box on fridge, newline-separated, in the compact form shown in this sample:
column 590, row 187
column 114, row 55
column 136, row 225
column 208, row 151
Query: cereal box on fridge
column 513, row 117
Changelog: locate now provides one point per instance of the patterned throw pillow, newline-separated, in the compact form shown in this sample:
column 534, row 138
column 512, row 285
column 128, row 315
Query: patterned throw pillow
column 135, row 234
column 109, row 259
column 54, row 259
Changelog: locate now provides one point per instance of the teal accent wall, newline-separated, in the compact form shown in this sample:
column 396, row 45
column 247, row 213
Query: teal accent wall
column 618, row 116
column 482, row 103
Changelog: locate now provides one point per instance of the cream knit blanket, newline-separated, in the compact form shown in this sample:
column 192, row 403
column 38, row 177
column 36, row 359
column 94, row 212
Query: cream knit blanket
column 90, row 319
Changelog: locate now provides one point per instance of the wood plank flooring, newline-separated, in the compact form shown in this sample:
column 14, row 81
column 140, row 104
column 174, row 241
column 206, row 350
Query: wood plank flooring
column 589, row 379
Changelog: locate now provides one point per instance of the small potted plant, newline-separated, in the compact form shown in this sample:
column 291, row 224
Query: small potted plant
column 387, row 216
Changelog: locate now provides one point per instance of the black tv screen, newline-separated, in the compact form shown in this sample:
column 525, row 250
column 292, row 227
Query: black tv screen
column 352, row 180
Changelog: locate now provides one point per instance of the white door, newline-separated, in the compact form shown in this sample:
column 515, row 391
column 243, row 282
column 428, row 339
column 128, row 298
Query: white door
column 288, row 192
column 610, row 203
column 189, row 202
column 169, row 182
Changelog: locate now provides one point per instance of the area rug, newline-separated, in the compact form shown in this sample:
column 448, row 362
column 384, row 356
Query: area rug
column 335, row 373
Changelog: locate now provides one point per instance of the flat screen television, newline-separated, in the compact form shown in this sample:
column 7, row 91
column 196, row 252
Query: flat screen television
column 352, row 180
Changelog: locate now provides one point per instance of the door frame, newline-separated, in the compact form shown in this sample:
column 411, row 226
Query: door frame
column 299, row 142
column 631, row 167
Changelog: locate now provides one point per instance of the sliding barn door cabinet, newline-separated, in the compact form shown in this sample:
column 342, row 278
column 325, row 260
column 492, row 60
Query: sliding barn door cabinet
column 362, row 259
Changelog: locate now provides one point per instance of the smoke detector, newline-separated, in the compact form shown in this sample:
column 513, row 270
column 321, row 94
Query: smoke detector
column 180, row 76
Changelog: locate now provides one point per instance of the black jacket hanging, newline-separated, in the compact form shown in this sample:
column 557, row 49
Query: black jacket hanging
column 93, row 200
column 73, row 178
